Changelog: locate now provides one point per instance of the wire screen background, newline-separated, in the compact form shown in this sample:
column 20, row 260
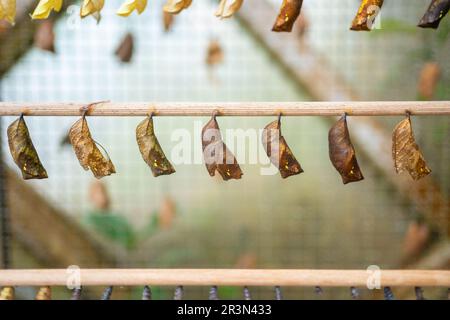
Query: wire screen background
column 308, row 221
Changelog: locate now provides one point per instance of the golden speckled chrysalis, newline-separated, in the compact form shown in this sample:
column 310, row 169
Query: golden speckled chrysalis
column 365, row 17
column 435, row 13
column 289, row 12
column 406, row 153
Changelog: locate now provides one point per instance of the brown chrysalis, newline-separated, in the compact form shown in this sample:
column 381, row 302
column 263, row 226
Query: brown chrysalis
column 289, row 12
column 87, row 152
column 216, row 154
column 342, row 152
column 125, row 50
column 44, row 293
column 406, row 152
column 151, row 150
column 168, row 19
column 44, row 38
column 214, row 53
column 23, row 152
column 435, row 13
column 428, row 80
column 278, row 150
column 365, row 17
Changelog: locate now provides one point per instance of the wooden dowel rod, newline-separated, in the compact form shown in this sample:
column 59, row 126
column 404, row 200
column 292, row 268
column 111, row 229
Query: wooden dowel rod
column 224, row 277
column 354, row 108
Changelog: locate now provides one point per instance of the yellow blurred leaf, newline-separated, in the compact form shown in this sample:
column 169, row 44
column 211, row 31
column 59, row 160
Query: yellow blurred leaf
column 44, row 293
column 8, row 10
column 130, row 5
column 87, row 152
column 23, row 151
column 7, row 293
column 92, row 7
column 151, row 150
column 226, row 12
column 176, row 6
column 406, row 152
column 45, row 7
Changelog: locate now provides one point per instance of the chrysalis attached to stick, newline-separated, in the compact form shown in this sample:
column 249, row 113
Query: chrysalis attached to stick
column 247, row 295
column 216, row 154
column 44, row 293
column 87, row 152
column 214, row 54
column 278, row 294
column 125, row 49
column 289, row 12
column 365, row 17
column 92, row 7
column 419, row 293
column 23, row 151
column 8, row 11
column 176, row 6
column 130, row 5
column 225, row 12
column 278, row 150
column 7, row 293
column 151, row 150
column 354, row 292
column 342, row 153
column 44, row 38
column 437, row 10
column 45, row 7
column 406, row 153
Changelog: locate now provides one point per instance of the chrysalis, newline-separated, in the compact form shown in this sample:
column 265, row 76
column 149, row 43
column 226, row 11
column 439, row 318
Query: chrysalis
column 247, row 295
column 23, row 151
column 435, row 13
column 176, row 6
column 278, row 293
column 87, row 152
column 45, row 7
column 130, row 5
column 125, row 49
column 342, row 152
column 8, row 11
column 214, row 54
column 168, row 19
column 289, row 12
column 278, row 150
column 365, row 17
column 406, row 152
column 44, row 293
column 216, row 154
column 428, row 80
column 419, row 293
column 7, row 293
column 44, row 38
column 151, row 150
column 225, row 12
column 92, row 7
column 388, row 294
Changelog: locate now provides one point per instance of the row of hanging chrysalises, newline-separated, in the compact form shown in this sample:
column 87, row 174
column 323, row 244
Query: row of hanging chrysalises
column 217, row 157
column 289, row 11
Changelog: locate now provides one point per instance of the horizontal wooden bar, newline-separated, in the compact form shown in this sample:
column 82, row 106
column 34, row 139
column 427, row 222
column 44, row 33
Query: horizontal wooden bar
column 224, row 277
column 353, row 108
